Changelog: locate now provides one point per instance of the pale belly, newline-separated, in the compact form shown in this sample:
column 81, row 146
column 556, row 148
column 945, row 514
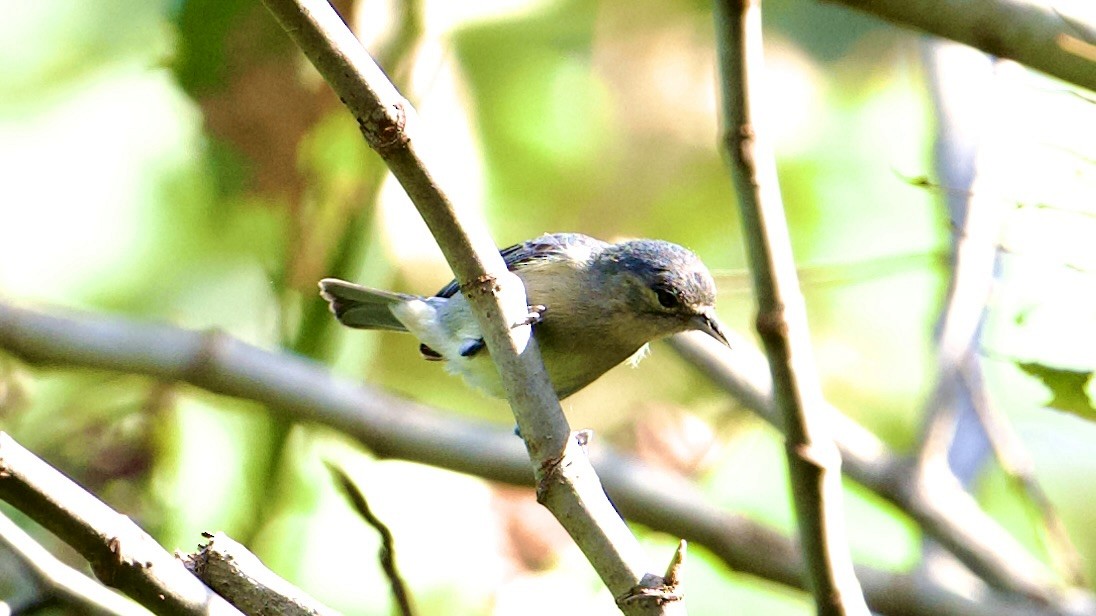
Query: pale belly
column 568, row 372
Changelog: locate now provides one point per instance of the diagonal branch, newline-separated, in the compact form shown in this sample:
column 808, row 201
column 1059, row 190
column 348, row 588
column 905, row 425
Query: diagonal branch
column 961, row 424
column 939, row 504
column 55, row 578
column 568, row 486
column 1031, row 33
column 814, row 463
column 120, row 553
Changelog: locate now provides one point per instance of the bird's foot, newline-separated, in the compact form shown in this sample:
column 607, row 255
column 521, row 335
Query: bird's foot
column 471, row 347
column 536, row 313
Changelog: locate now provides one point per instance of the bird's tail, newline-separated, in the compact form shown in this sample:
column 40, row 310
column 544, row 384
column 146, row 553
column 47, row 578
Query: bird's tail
column 361, row 307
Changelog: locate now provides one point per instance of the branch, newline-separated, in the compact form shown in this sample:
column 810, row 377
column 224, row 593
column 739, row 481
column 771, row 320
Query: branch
column 939, row 504
column 814, row 463
column 121, row 554
column 56, row 579
column 239, row 576
column 1034, row 34
column 962, row 425
column 567, row 484
column 964, row 92
column 296, row 389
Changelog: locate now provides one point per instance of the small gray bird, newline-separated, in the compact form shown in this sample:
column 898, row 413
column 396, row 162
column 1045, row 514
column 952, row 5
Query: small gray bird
column 593, row 305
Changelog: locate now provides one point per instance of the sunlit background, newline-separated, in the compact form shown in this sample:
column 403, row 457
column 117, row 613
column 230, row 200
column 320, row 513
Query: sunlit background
column 179, row 161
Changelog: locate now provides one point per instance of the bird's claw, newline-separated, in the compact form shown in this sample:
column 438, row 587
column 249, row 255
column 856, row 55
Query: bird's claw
column 536, row 313
column 475, row 345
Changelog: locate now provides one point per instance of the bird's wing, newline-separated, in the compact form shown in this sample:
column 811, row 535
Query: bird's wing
column 362, row 307
column 546, row 247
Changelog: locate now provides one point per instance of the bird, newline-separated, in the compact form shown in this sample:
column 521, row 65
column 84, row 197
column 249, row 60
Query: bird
column 593, row 305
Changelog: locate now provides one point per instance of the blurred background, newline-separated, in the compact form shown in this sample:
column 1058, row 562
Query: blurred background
column 180, row 161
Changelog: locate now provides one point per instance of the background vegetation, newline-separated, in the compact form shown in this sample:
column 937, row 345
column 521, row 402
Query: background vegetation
column 179, row 161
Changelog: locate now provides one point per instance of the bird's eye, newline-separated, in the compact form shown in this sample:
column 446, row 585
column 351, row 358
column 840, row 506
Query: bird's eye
column 667, row 298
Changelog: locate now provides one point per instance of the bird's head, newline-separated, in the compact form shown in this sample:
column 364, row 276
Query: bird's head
column 664, row 288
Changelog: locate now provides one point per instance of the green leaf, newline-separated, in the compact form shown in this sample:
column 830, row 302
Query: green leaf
column 1067, row 387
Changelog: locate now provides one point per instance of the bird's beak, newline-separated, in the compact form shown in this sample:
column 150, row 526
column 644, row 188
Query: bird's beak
column 707, row 323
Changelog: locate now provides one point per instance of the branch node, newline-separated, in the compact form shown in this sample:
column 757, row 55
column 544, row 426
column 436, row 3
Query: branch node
column 772, row 323
column 202, row 364
column 819, row 455
column 386, row 129
column 738, row 141
column 481, row 285
column 651, row 590
column 551, row 471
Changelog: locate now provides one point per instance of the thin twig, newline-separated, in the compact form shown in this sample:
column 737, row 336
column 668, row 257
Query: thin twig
column 961, row 426
column 121, row 554
column 304, row 391
column 570, row 488
column 942, row 508
column 1018, row 466
column 387, row 552
column 962, row 84
column 814, row 463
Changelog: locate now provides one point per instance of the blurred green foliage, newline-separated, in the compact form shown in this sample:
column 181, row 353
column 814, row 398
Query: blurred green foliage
column 179, row 161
